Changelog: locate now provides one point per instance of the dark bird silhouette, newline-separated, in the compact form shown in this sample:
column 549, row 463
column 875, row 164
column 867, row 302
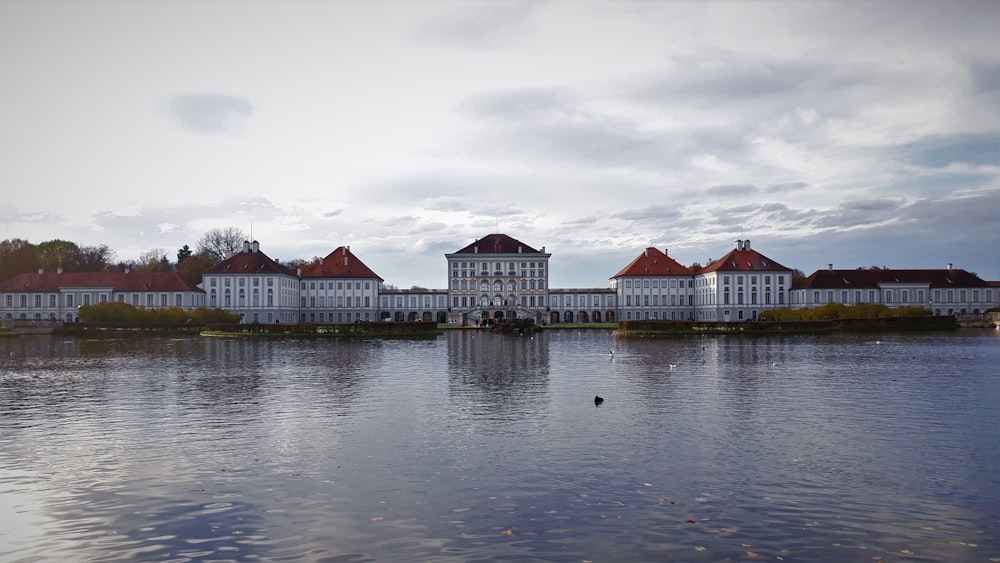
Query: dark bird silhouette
column 598, row 399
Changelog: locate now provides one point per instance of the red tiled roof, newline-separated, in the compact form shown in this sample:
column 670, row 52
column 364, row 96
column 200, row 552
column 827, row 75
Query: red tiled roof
column 498, row 244
column 250, row 262
column 51, row 282
column 341, row 263
column 653, row 262
column 744, row 259
column 838, row 279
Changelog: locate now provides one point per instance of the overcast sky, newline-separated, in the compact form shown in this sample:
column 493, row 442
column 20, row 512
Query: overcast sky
column 853, row 133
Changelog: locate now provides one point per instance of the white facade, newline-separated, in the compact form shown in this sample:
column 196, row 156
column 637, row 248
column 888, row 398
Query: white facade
column 583, row 306
column 740, row 286
column 58, row 296
column 498, row 277
column 945, row 291
column 253, row 286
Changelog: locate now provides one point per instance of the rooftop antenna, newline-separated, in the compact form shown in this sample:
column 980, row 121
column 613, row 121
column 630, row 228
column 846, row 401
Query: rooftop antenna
column 251, row 230
column 498, row 224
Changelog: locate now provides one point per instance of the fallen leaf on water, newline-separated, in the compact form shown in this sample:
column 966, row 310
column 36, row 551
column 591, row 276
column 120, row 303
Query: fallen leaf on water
column 702, row 499
column 691, row 521
column 508, row 532
column 752, row 555
column 377, row 518
column 648, row 484
column 906, row 552
column 700, row 548
column 672, row 501
column 744, row 545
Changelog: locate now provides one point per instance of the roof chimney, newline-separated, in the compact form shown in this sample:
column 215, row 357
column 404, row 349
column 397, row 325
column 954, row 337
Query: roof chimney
column 738, row 245
column 949, row 265
column 246, row 246
column 746, row 244
column 646, row 253
column 255, row 246
column 665, row 252
column 829, row 267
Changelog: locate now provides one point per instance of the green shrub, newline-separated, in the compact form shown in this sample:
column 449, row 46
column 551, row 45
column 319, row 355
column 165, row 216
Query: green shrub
column 118, row 312
column 836, row 311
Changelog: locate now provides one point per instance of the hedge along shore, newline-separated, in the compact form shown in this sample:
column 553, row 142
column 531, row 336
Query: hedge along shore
column 393, row 330
column 636, row 328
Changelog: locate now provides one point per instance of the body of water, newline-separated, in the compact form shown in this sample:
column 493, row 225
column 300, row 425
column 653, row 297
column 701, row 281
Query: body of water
column 479, row 446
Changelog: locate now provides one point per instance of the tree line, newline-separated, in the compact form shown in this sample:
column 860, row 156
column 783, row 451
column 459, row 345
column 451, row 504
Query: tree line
column 18, row 256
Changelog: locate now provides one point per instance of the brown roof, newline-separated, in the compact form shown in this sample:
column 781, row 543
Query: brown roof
column 838, row 279
column 653, row 262
column 744, row 259
column 250, row 261
column 52, row 282
column 341, row 263
column 498, row 244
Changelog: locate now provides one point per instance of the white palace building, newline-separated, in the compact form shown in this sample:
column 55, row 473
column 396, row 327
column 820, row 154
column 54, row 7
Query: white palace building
column 497, row 277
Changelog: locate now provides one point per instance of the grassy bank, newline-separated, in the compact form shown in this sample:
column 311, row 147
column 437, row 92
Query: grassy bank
column 627, row 328
column 384, row 330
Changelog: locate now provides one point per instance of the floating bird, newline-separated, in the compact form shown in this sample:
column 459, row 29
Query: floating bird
column 672, row 366
column 598, row 399
column 611, row 352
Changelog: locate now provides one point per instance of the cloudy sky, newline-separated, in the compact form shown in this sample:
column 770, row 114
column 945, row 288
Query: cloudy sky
column 853, row 133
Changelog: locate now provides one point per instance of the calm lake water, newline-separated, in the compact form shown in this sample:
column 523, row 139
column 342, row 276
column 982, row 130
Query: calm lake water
column 476, row 447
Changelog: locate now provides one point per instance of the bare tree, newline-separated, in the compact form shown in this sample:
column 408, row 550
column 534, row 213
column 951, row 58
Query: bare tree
column 221, row 243
column 153, row 260
column 96, row 258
